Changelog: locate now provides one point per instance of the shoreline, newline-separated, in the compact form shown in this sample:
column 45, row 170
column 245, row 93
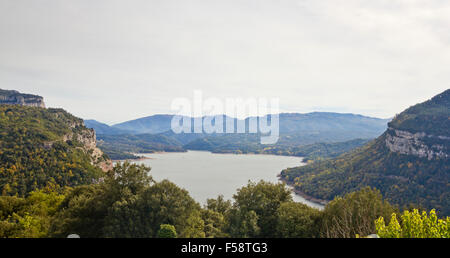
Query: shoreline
column 302, row 194
column 212, row 152
column 140, row 158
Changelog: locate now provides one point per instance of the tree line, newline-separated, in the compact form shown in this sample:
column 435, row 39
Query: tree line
column 128, row 202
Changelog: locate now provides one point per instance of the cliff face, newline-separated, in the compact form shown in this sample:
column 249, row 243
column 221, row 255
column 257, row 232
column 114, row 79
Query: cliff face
column 418, row 144
column 13, row 97
column 87, row 137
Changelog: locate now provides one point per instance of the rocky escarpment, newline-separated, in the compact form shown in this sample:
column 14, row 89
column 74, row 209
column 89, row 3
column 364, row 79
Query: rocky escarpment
column 87, row 138
column 13, row 97
column 418, row 144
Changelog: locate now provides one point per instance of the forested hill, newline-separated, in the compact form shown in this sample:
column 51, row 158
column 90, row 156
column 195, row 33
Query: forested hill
column 431, row 117
column 40, row 147
column 409, row 163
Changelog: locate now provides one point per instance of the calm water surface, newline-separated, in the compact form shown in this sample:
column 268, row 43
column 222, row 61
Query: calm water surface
column 206, row 175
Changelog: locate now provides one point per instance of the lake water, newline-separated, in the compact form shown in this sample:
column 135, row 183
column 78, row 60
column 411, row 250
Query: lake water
column 207, row 175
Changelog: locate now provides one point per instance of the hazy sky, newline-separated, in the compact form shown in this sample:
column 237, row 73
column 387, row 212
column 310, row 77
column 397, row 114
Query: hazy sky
column 116, row 60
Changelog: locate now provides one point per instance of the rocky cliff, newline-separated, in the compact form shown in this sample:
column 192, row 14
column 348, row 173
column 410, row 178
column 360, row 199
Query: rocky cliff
column 87, row 138
column 13, row 97
column 418, row 144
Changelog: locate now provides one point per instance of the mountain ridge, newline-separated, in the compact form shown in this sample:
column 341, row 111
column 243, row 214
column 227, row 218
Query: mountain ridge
column 160, row 123
column 296, row 129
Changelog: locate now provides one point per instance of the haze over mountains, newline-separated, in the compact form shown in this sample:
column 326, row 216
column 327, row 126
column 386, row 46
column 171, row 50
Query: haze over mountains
column 153, row 133
column 289, row 123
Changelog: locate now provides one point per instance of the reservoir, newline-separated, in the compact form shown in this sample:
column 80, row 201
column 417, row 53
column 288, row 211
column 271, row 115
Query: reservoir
column 207, row 175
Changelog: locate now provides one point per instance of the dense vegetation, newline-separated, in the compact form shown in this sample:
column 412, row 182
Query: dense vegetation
column 402, row 179
column 31, row 216
column 39, row 147
column 431, row 116
column 414, row 225
column 129, row 203
column 121, row 146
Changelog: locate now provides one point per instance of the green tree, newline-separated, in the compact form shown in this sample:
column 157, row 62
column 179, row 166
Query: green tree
column 297, row 220
column 219, row 205
column 82, row 212
column 167, row 231
column 28, row 217
column 240, row 223
column 260, row 201
column 128, row 204
column 414, row 225
column 214, row 216
column 354, row 214
column 128, row 179
column 214, row 223
column 85, row 209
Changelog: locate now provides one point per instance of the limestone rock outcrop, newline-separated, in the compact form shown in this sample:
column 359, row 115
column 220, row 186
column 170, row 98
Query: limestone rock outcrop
column 14, row 97
column 417, row 144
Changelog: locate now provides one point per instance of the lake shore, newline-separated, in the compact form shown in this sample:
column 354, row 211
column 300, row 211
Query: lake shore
column 139, row 158
column 302, row 194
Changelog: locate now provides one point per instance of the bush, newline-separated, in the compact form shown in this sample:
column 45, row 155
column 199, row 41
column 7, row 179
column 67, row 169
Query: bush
column 167, row 231
column 414, row 225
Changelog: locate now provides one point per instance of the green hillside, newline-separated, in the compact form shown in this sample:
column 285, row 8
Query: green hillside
column 432, row 117
column 402, row 178
column 40, row 147
column 121, row 146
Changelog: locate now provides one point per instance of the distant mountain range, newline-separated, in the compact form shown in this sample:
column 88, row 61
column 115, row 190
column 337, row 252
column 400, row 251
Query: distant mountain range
column 289, row 123
column 408, row 163
column 150, row 124
column 101, row 128
column 295, row 130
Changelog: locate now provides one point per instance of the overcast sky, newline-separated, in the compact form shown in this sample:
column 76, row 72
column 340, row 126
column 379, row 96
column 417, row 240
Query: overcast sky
column 116, row 60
